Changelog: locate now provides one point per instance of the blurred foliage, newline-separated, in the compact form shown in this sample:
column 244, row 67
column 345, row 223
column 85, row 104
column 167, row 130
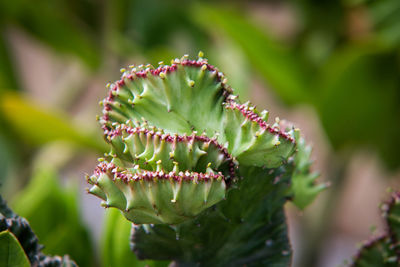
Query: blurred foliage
column 116, row 249
column 355, row 88
column 37, row 126
column 342, row 59
column 64, row 31
column 275, row 61
column 54, row 215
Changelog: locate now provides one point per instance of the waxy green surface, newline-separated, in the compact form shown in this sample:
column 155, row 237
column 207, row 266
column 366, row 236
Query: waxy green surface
column 178, row 135
column 203, row 176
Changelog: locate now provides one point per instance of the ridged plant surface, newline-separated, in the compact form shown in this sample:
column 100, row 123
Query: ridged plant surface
column 202, row 176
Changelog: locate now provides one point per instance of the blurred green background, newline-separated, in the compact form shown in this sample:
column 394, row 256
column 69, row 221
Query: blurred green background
column 331, row 67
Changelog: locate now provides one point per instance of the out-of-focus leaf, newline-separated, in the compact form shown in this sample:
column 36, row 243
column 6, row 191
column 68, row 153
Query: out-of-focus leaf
column 230, row 58
column 38, row 126
column 154, row 23
column 8, row 79
column 53, row 213
column 11, row 252
column 116, row 248
column 50, row 22
column 7, row 158
column 385, row 17
column 276, row 62
column 360, row 101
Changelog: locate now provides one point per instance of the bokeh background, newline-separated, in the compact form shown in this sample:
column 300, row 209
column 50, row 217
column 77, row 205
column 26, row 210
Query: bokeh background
column 331, row 67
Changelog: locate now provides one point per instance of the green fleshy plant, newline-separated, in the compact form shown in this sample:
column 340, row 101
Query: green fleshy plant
column 383, row 250
column 202, row 177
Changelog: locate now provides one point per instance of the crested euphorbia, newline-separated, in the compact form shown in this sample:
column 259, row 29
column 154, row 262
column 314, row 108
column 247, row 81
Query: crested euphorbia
column 182, row 145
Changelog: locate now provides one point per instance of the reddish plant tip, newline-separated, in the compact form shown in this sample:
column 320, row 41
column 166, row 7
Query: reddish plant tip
column 123, row 128
column 252, row 116
column 164, row 70
column 110, row 168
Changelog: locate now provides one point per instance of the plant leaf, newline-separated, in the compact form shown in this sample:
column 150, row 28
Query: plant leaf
column 62, row 232
column 11, row 252
column 38, row 126
column 277, row 63
column 115, row 245
column 359, row 103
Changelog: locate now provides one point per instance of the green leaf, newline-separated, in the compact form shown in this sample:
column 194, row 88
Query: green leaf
column 359, row 103
column 115, row 245
column 278, row 64
column 384, row 15
column 11, row 252
column 54, row 25
column 53, row 213
column 8, row 79
column 38, row 126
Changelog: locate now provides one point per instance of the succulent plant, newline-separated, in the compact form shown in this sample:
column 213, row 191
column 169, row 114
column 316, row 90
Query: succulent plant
column 383, row 250
column 201, row 175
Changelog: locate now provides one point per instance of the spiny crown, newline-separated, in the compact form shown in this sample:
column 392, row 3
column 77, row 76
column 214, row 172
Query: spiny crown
column 160, row 170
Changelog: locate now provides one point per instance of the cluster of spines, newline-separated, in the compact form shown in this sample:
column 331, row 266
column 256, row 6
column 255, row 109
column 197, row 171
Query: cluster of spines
column 250, row 113
column 143, row 71
column 173, row 138
column 144, row 175
column 393, row 221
